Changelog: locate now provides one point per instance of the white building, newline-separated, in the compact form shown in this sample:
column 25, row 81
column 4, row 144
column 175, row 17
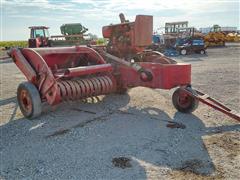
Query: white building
column 226, row 28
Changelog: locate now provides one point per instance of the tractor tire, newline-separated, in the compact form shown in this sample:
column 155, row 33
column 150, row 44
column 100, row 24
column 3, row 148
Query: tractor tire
column 29, row 100
column 183, row 52
column 184, row 102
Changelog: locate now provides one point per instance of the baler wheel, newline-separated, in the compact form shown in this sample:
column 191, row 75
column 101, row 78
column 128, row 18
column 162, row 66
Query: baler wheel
column 29, row 100
column 183, row 102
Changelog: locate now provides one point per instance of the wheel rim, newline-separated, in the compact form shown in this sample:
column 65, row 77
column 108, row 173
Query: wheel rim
column 25, row 102
column 184, row 100
column 202, row 52
column 184, row 52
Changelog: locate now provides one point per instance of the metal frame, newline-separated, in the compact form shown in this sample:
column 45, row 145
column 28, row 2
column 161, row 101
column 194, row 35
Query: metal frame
column 206, row 99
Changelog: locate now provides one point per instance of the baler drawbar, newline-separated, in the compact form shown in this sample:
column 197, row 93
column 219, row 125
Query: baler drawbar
column 57, row 74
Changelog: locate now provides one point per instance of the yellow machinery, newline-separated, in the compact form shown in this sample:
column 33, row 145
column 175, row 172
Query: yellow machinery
column 232, row 37
column 215, row 37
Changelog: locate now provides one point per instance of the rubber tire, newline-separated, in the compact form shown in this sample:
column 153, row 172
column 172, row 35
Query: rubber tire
column 193, row 102
column 34, row 97
column 202, row 51
column 185, row 52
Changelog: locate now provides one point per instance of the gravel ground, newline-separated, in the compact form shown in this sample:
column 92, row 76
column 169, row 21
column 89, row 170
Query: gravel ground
column 126, row 136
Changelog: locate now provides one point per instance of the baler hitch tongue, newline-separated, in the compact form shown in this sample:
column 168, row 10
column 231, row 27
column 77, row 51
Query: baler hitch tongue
column 206, row 99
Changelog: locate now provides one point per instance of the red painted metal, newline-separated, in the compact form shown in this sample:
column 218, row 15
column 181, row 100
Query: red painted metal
column 46, row 81
column 142, row 35
column 165, row 76
column 38, row 41
column 44, row 66
column 184, row 99
column 206, row 99
column 49, row 67
column 25, row 100
column 79, row 71
column 24, row 65
column 129, row 37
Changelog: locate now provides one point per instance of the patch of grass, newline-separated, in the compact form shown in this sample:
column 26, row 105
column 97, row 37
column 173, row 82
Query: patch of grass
column 8, row 44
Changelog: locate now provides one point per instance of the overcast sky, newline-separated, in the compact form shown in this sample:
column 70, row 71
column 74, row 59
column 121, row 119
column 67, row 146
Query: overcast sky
column 18, row 15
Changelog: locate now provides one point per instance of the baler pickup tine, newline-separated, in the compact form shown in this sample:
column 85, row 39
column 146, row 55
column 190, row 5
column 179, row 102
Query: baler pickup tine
column 206, row 99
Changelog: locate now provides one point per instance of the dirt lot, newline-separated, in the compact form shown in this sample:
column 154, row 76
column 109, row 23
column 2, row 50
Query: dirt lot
column 125, row 136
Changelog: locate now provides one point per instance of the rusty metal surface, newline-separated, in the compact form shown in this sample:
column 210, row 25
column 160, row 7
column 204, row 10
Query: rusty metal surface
column 88, row 87
column 49, row 89
column 128, row 38
column 215, row 104
column 23, row 65
column 143, row 30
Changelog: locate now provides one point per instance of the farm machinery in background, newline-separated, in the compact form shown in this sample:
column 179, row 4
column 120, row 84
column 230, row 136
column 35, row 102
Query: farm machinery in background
column 232, row 37
column 73, row 29
column 172, row 28
column 189, row 40
column 190, row 45
column 179, row 39
column 57, row 74
column 218, row 36
column 72, row 34
column 215, row 37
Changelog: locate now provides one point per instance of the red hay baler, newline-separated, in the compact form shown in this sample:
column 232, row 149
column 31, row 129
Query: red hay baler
column 57, row 74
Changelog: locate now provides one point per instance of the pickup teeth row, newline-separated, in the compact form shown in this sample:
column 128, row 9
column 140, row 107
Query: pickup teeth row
column 83, row 88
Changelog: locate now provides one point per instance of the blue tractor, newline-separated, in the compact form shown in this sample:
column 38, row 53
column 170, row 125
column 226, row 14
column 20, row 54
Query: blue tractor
column 190, row 45
column 164, row 46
